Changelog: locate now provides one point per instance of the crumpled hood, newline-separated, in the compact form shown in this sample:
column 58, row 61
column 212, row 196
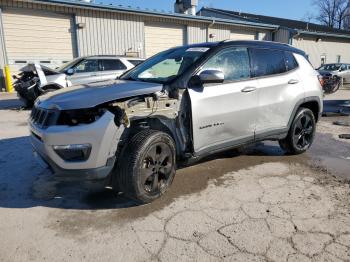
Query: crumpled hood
column 91, row 95
column 33, row 67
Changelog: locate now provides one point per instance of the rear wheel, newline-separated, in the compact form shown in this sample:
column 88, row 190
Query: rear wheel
column 301, row 133
column 146, row 166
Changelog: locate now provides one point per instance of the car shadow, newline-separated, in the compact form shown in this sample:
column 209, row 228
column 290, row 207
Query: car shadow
column 26, row 184
column 11, row 103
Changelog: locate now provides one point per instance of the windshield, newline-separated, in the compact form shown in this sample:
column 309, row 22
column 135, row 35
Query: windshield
column 68, row 65
column 166, row 66
column 330, row 67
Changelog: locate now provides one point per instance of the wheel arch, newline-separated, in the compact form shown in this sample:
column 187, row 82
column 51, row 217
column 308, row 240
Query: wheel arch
column 51, row 86
column 313, row 103
column 167, row 126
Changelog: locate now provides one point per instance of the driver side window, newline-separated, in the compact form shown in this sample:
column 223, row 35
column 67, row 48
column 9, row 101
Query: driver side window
column 87, row 66
column 233, row 62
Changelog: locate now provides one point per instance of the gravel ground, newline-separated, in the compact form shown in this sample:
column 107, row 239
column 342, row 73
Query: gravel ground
column 255, row 205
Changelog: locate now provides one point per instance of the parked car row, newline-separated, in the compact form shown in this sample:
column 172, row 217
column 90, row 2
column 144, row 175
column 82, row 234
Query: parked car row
column 35, row 80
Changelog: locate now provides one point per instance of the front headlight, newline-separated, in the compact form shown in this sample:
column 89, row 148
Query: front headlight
column 72, row 153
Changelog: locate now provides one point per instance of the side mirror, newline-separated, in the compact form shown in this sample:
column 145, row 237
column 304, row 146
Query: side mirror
column 212, row 76
column 208, row 77
column 70, row 71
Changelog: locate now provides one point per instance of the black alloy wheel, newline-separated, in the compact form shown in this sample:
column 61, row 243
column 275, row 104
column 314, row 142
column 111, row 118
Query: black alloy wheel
column 301, row 133
column 157, row 168
column 146, row 166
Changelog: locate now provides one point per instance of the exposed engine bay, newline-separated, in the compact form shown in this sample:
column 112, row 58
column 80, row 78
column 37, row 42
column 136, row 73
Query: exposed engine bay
column 34, row 80
column 157, row 111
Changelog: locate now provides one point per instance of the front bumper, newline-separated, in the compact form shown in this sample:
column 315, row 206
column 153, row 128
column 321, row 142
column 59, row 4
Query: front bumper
column 103, row 135
column 93, row 174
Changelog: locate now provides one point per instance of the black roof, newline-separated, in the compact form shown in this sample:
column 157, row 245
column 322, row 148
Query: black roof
column 251, row 43
column 289, row 23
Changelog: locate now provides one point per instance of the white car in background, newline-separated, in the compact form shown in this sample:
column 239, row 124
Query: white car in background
column 35, row 80
column 340, row 70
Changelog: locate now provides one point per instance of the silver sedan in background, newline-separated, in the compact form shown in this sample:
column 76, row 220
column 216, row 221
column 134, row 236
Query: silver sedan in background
column 35, row 80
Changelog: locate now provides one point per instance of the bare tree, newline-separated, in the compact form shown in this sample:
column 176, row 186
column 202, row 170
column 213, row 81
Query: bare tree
column 346, row 24
column 332, row 13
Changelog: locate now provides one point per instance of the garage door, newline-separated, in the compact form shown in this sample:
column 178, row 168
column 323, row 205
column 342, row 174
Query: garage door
column 240, row 35
column 159, row 37
column 37, row 36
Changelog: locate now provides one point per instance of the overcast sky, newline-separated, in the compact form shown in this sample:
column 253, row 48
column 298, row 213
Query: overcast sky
column 293, row 9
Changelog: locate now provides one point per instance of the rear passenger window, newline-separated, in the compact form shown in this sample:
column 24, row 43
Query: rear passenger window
column 291, row 63
column 233, row 62
column 267, row 62
column 112, row 64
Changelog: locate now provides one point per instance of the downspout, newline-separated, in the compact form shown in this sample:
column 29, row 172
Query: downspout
column 209, row 26
column 292, row 34
column 4, row 83
column 2, row 41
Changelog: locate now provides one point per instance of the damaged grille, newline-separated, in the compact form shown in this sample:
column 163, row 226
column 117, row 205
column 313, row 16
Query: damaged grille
column 43, row 117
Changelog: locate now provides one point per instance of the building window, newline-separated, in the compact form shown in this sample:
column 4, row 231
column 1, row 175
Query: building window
column 323, row 59
column 338, row 58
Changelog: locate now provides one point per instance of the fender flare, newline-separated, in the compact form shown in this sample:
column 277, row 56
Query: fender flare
column 303, row 101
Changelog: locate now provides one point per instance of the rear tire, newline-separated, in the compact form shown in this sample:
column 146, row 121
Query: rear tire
column 146, row 166
column 301, row 133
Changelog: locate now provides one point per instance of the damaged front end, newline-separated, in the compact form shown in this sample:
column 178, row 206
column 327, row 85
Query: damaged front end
column 84, row 143
column 32, row 80
column 155, row 111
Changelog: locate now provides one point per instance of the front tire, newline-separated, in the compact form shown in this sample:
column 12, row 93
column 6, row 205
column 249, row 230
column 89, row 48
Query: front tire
column 146, row 166
column 301, row 133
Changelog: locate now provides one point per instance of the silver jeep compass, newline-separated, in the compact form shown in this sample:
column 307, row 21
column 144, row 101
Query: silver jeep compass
column 178, row 106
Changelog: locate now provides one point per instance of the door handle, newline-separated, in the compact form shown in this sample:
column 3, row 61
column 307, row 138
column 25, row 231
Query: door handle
column 293, row 82
column 248, row 89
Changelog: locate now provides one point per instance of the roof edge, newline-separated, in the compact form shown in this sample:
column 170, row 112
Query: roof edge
column 112, row 8
column 303, row 32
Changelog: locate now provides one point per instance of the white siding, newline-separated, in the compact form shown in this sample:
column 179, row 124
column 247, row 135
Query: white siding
column 107, row 33
column 264, row 35
column 36, row 35
column 241, row 34
column 331, row 48
column 282, row 36
column 160, row 36
column 197, row 33
column 220, row 32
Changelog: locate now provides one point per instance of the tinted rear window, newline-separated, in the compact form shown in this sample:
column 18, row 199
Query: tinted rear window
column 267, row 62
column 291, row 63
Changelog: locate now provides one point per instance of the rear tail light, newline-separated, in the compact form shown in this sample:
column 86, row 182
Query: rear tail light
column 321, row 80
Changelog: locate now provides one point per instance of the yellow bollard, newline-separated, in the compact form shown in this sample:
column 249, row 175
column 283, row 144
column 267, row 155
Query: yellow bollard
column 8, row 79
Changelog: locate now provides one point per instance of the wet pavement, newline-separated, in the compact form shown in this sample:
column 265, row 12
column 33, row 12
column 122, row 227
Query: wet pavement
column 251, row 204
